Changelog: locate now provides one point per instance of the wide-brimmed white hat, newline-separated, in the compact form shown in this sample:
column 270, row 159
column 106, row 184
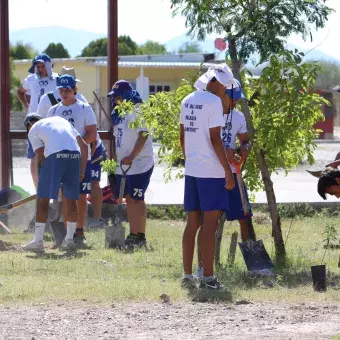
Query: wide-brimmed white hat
column 221, row 72
column 71, row 71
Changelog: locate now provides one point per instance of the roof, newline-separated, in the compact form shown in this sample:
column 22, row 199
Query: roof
column 155, row 64
column 185, row 60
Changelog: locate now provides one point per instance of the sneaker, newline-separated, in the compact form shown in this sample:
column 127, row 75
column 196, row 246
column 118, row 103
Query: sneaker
column 79, row 237
column 131, row 240
column 95, row 223
column 141, row 241
column 188, row 283
column 68, row 245
column 199, row 273
column 35, row 247
column 212, row 284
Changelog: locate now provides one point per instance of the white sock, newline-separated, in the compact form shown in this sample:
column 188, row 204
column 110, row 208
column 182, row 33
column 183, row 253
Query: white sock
column 39, row 231
column 208, row 278
column 188, row 276
column 71, row 229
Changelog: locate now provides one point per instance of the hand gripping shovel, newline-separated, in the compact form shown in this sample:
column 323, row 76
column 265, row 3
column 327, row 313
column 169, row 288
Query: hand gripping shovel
column 115, row 234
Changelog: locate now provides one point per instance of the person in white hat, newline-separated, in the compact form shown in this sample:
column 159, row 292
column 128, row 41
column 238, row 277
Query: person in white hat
column 207, row 172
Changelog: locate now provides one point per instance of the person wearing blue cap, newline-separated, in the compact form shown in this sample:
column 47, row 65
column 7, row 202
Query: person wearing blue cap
column 63, row 154
column 81, row 116
column 42, row 80
column 133, row 148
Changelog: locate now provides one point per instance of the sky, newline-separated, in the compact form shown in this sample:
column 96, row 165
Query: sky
column 141, row 19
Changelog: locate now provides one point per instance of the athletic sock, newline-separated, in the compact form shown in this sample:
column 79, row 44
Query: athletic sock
column 188, row 276
column 71, row 228
column 39, row 231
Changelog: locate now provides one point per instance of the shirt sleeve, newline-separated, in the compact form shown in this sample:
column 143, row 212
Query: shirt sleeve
column 35, row 141
column 216, row 114
column 26, row 83
column 243, row 124
column 43, row 106
column 90, row 117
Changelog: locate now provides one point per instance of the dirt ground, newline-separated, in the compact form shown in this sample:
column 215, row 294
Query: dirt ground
column 156, row 321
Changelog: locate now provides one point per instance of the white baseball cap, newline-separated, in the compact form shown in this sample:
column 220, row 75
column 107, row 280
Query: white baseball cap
column 221, row 72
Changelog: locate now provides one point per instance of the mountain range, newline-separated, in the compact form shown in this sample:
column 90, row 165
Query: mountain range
column 76, row 40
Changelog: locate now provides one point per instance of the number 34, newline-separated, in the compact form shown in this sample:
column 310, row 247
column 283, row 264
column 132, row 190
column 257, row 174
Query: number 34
column 138, row 192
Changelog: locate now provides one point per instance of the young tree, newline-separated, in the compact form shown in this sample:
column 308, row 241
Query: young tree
column 152, row 47
column 56, row 51
column 190, row 47
column 254, row 26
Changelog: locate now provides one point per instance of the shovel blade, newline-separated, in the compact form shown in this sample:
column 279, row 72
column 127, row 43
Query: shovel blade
column 115, row 236
column 58, row 231
column 255, row 255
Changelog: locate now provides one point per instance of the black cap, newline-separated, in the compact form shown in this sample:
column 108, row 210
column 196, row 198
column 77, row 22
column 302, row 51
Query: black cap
column 30, row 118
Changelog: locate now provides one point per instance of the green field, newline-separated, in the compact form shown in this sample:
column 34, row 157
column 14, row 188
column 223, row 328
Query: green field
column 98, row 275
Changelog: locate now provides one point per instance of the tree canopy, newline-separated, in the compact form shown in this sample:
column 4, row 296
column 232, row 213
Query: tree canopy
column 21, row 51
column 190, row 47
column 56, row 51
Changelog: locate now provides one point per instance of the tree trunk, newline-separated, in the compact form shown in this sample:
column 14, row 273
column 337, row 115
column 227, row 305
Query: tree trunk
column 268, row 184
column 218, row 239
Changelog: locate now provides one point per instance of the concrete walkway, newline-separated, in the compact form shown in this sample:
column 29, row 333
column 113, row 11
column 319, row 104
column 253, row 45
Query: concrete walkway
column 298, row 186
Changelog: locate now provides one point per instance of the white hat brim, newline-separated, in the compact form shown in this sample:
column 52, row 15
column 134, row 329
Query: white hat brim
column 224, row 78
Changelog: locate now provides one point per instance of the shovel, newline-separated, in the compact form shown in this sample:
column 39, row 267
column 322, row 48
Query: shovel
column 115, row 234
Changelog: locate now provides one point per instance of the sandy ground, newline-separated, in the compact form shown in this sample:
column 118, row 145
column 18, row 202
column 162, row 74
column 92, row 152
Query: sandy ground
column 241, row 320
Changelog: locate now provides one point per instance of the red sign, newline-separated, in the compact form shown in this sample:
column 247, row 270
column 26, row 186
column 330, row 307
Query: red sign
column 220, row 44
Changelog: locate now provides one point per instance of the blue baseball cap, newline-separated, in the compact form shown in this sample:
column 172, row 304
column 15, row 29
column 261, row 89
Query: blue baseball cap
column 66, row 82
column 119, row 87
column 235, row 93
column 40, row 58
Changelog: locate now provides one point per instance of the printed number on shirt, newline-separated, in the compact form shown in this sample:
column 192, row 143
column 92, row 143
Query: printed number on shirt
column 86, row 186
column 119, row 138
column 95, row 173
column 42, row 91
column 138, row 192
column 71, row 120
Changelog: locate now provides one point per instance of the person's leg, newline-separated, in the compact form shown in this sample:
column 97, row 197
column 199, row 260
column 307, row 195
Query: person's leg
column 136, row 186
column 210, row 224
column 97, row 199
column 188, row 241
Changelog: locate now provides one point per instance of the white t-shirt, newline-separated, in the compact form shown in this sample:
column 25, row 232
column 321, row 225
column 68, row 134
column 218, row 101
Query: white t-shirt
column 45, row 103
column 236, row 121
column 201, row 111
column 37, row 87
column 79, row 114
column 54, row 134
column 125, row 139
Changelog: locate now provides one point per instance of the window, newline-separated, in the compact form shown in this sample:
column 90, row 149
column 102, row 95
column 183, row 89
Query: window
column 158, row 88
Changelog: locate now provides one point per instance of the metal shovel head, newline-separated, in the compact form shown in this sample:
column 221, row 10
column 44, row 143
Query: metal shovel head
column 115, row 235
column 316, row 174
column 255, row 256
column 58, row 231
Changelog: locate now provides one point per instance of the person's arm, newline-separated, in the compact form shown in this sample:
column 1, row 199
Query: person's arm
column 90, row 134
column 40, row 156
column 21, row 94
column 245, row 146
column 83, row 156
column 181, row 137
column 216, row 141
column 334, row 164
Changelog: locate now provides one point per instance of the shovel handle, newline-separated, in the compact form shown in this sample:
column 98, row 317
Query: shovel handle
column 241, row 187
column 5, row 208
column 124, row 172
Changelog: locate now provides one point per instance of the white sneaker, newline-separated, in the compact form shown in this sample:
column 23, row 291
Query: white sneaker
column 36, row 247
column 199, row 273
column 68, row 245
column 95, row 223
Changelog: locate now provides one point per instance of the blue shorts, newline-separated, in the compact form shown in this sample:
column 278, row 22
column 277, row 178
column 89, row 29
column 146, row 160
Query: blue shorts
column 96, row 167
column 205, row 194
column 135, row 185
column 85, row 184
column 29, row 150
column 235, row 210
column 60, row 169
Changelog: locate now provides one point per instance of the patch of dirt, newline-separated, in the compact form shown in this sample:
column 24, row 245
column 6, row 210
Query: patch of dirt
column 7, row 246
column 171, row 321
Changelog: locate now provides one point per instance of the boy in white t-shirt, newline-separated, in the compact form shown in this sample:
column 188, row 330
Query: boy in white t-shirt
column 83, row 119
column 207, row 172
column 62, row 154
column 133, row 148
column 41, row 80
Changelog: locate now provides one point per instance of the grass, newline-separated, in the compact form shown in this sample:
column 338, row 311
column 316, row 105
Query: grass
column 100, row 275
